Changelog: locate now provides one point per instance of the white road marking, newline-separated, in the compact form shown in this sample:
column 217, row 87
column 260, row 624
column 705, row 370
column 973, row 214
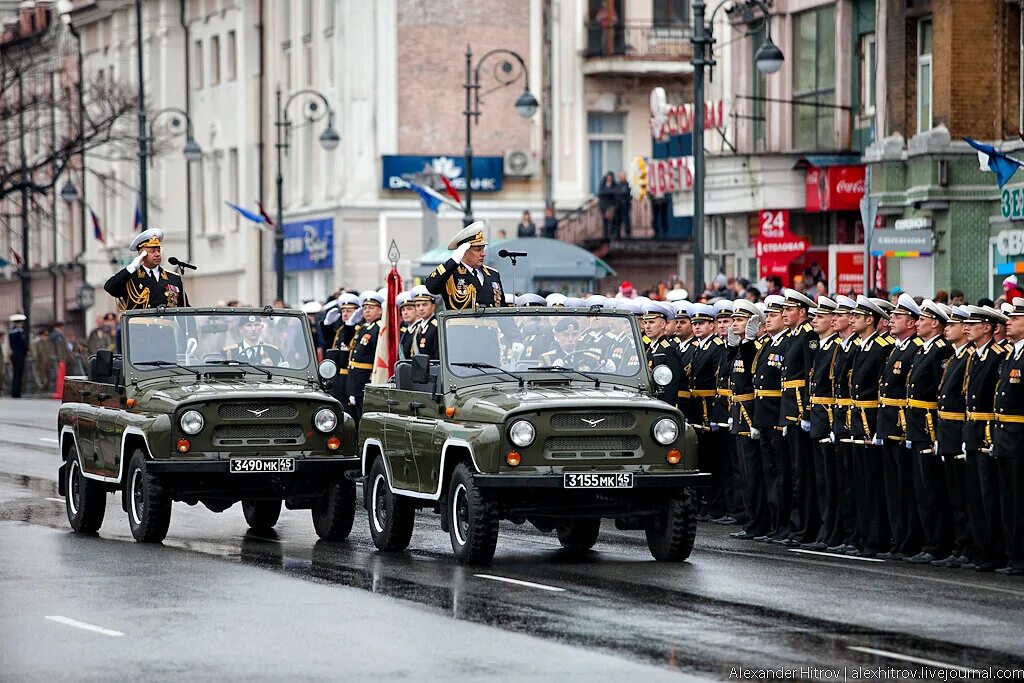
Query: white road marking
column 528, row 584
column 56, row 500
column 841, row 557
column 908, row 658
column 48, row 439
column 84, row 626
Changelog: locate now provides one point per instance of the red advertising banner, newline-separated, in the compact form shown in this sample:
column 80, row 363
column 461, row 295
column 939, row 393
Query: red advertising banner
column 776, row 247
column 849, row 272
column 834, row 188
column 665, row 176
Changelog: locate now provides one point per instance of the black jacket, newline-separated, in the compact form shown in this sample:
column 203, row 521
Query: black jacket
column 1008, row 431
column 980, row 390
column 822, row 380
column 865, row 371
column 768, row 381
column 923, row 390
column 663, row 352
column 741, row 384
column 796, row 367
column 843, row 368
column 360, row 364
column 892, row 388
column 708, row 356
column 141, row 290
column 459, row 288
column 424, row 338
column 952, row 402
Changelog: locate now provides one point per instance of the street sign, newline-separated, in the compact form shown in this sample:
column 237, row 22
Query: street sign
column 1011, row 204
column 901, row 243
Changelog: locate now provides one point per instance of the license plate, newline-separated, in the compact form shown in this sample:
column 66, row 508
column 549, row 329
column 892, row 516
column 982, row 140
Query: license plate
column 597, row 480
column 263, row 465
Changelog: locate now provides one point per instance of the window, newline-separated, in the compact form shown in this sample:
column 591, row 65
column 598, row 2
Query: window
column 667, row 12
column 216, row 206
column 233, row 184
column 814, row 79
column 606, row 137
column 867, row 74
column 924, row 75
column 215, row 60
column 232, row 56
column 286, row 23
column 198, row 193
column 197, row 65
column 329, row 15
column 307, row 19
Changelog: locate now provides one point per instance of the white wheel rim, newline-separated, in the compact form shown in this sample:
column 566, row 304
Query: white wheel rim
column 378, row 481
column 73, row 475
column 135, row 503
column 457, row 496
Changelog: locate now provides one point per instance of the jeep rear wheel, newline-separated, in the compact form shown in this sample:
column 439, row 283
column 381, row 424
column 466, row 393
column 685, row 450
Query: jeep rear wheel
column 334, row 513
column 473, row 520
column 670, row 533
column 149, row 506
column 579, row 535
column 261, row 515
column 391, row 516
column 85, row 501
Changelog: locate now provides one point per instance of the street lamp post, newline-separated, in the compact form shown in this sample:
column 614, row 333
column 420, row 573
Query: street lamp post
column 191, row 150
column 329, row 140
column 505, row 74
column 768, row 58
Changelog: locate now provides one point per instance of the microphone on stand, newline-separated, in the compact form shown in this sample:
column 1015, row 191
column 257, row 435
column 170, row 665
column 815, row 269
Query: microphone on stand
column 505, row 253
column 181, row 264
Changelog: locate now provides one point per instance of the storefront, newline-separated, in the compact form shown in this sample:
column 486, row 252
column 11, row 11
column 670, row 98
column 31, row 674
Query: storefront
column 308, row 260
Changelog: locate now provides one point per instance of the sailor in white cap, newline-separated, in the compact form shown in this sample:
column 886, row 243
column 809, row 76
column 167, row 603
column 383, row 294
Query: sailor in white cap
column 425, row 332
column 1007, row 437
column 18, row 341
column 364, row 350
column 555, row 299
column 530, row 299
column 463, row 281
column 143, row 283
column 660, row 353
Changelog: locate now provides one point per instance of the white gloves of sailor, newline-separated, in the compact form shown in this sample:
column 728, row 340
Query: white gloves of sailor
column 460, row 252
column 805, row 425
column 351, row 400
column 755, row 433
column 134, row 265
column 332, row 316
column 753, row 327
column 729, row 423
column 355, row 318
column 832, row 437
column 935, row 447
column 715, row 426
column 875, row 441
column 733, row 339
column 909, row 444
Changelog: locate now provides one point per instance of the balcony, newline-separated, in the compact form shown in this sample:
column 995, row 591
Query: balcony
column 637, row 49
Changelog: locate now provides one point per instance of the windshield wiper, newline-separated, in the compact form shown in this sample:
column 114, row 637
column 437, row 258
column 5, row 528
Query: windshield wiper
column 595, row 380
column 169, row 364
column 488, row 366
column 240, row 363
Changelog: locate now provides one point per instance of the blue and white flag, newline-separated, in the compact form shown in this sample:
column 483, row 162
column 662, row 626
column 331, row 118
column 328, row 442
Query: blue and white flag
column 432, row 199
column 250, row 215
column 995, row 161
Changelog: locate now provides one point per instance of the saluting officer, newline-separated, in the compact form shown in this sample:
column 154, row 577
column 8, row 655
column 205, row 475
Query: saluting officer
column 407, row 311
column 424, row 340
column 746, row 324
column 1008, row 435
column 979, row 388
column 922, row 434
column 463, row 281
column 767, row 411
column 866, row 369
column 659, row 351
column 364, row 350
column 821, row 397
column 143, row 283
column 898, row 461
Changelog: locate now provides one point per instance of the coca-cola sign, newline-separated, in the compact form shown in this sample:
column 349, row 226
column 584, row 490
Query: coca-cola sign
column 834, row 188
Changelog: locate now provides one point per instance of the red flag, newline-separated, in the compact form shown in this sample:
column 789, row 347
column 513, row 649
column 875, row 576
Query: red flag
column 266, row 216
column 17, row 259
column 449, row 189
column 387, row 342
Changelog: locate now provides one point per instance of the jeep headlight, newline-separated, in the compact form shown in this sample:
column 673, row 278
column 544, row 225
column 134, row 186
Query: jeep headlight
column 662, row 375
column 325, row 420
column 665, row 431
column 191, row 422
column 522, row 433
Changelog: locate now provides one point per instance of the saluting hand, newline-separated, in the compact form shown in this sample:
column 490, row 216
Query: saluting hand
column 460, row 252
column 134, row 265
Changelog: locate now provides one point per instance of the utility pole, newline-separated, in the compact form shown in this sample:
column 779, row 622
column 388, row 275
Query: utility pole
column 143, row 152
column 26, row 193
column 699, row 53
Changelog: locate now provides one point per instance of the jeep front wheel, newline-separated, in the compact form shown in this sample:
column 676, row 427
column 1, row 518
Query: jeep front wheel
column 149, row 506
column 579, row 535
column 261, row 515
column 670, row 533
column 392, row 517
column 473, row 520
column 86, row 501
column 334, row 513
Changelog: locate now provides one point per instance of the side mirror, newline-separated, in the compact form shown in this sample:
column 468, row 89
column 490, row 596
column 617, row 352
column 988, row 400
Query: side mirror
column 420, row 369
column 327, row 369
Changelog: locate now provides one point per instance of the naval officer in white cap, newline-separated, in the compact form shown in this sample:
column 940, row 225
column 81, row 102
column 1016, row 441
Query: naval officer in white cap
column 143, row 283
column 463, row 281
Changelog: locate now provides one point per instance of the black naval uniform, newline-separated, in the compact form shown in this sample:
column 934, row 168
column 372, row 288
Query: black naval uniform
column 142, row 290
column 460, row 287
column 922, row 421
column 360, row 364
column 1008, row 441
column 872, row 530
column 708, row 356
column 741, row 384
column 768, row 397
column 804, row 519
column 898, row 462
column 424, row 339
column 844, row 532
column 685, row 350
column 18, row 339
column 822, row 411
column 661, row 352
column 982, row 488
column 255, row 354
column 952, row 411
column 405, row 332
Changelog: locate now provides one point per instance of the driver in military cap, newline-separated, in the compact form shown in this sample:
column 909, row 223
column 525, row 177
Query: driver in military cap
column 463, row 281
column 253, row 349
column 143, row 283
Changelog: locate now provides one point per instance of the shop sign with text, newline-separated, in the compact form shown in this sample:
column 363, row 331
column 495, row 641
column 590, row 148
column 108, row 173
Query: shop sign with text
column 1011, row 204
column 665, row 176
column 309, row 245
column 776, row 247
column 834, row 188
column 668, row 120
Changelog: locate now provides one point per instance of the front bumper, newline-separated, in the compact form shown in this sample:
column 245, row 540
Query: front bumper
column 313, row 466
column 643, row 481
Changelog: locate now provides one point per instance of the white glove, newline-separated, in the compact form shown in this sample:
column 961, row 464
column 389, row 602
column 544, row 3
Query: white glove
column 733, row 339
column 355, row 318
column 753, row 327
column 875, row 441
column 805, row 425
column 755, row 433
column 935, row 448
column 785, row 430
column 351, row 400
column 332, row 316
column 134, row 265
column 608, row 366
column 715, row 427
column 730, row 423
column 963, row 448
column 908, row 444
column 460, row 252
column 517, row 350
column 832, row 437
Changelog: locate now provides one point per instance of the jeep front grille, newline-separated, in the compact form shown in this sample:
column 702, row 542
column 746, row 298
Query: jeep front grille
column 595, row 421
column 258, row 411
column 258, row 435
column 572, row 447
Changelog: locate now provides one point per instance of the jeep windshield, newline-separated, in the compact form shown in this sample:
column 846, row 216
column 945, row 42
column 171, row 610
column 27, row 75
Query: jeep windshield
column 237, row 340
column 594, row 343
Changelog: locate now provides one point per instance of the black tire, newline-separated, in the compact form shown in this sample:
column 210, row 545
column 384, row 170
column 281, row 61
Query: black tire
column 149, row 506
column 391, row 516
column 579, row 535
column 261, row 515
column 85, row 501
column 334, row 513
column 472, row 521
column 671, row 533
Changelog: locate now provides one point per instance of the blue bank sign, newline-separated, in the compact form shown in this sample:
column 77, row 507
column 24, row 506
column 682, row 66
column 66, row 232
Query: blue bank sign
column 309, row 245
column 488, row 172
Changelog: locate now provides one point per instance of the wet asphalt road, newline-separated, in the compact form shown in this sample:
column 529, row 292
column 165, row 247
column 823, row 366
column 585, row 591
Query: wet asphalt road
column 237, row 605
